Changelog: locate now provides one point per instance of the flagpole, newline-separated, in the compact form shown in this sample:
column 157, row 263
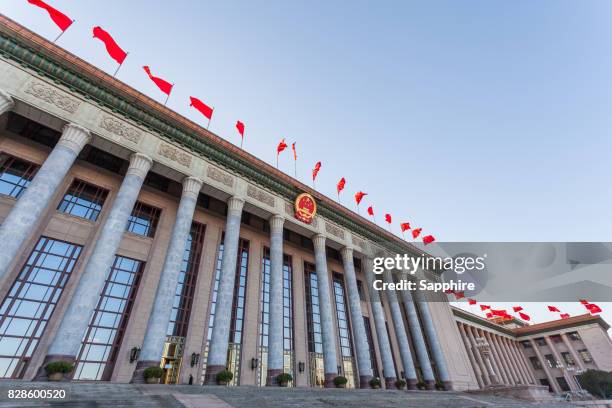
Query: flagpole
column 168, row 96
column 277, row 160
column 210, row 119
column 62, row 33
column 357, row 208
column 117, row 70
column 295, row 169
column 241, row 141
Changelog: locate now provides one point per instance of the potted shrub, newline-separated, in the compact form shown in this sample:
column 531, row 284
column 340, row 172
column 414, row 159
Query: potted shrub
column 340, row 381
column 400, row 384
column 375, row 383
column 224, row 377
column 283, row 379
column 439, row 386
column 153, row 374
column 57, row 369
column 421, row 385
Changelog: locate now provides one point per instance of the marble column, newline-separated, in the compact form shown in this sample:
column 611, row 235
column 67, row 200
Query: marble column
column 485, row 351
column 22, row 219
column 219, row 342
column 6, row 102
column 496, row 358
column 570, row 347
column 276, row 327
column 330, row 360
column 378, row 314
column 434, row 343
column 471, row 355
column 362, row 349
column 69, row 335
column 519, row 361
column 481, row 364
column 157, row 327
column 513, row 361
column 551, row 379
column 512, row 379
column 418, row 340
column 402, row 336
column 569, row 378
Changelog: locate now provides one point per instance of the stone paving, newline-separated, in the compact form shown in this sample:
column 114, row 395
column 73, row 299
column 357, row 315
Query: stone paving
column 128, row 395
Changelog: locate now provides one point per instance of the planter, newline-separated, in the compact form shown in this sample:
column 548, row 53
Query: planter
column 284, row 384
column 55, row 377
column 341, row 386
column 376, row 387
column 219, row 382
column 152, row 380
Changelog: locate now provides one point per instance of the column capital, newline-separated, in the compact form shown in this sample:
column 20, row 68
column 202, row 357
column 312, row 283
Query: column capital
column 74, row 137
column 347, row 253
column 139, row 165
column 6, row 102
column 319, row 241
column 235, row 204
column 277, row 222
column 191, row 186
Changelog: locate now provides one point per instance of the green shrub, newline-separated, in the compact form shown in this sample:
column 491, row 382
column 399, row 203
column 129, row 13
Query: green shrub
column 284, row 378
column 375, row 382
column 225, row 376
column 153, row 372
column 59, row 367
column 400, row 384
column 340, row 380
column 421, row 385
column 597, row 382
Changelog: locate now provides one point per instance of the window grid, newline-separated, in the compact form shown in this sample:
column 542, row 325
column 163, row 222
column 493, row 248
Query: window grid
column 183, row 296
column 15, row 175
column 143, row 220
column 344, row 332
column 83, row 200
column 107, row 325
column 368, row 328
column 315, row 340
column 30, row 302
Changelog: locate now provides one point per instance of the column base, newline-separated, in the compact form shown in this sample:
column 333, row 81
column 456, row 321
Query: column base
column 430, row 385
column 329, row 380
column 41, row 374
column 390, row 383
column 271, row 377
column 138, row 374
column 364, row 381
column 448, row 385
column 411, row 383
column 210, row 378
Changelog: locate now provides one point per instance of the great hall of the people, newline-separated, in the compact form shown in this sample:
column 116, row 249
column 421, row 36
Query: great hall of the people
column 132, row 237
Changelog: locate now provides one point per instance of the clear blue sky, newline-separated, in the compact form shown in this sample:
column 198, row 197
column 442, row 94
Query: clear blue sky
column 477, row 120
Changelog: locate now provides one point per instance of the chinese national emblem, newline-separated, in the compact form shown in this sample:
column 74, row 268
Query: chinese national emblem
column 305, row 208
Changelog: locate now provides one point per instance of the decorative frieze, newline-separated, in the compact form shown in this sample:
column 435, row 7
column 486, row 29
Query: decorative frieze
column 334, row 230
column 120, row 129
column 170, row 152
column 220, row 176
column 260, row 195
column 358, row 241
column 289, row 208
column 53, row 96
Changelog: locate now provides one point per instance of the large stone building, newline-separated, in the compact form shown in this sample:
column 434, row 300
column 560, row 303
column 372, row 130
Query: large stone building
column 132, row 237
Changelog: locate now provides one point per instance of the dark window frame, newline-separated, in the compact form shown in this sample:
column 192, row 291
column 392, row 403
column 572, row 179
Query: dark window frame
column 81, row 194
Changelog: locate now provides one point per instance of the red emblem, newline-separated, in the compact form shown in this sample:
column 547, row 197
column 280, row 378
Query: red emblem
column 305, row 208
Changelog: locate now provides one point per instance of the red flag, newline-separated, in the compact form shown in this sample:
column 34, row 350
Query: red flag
column 340, row 185
column 112, row 47
column 370, row 210
column 202, row 107
column 524, row 316
column 584, row 302
column 359, row 196
column 593, row 308
column 517, row 308
column 60, row 19
column 564, row 315
column 507, row 317
column 388, row 218
column 164, row 86
column 472, row 302
column 294, row 151
column 315, row 171
column 500, row 313
column 281, row 146
column 405, row 226
column 484, row 307
column 489, row 315
column 416, row 232
column 459, row 295
column 553, row 309
column 240, row 128
column 428, row 239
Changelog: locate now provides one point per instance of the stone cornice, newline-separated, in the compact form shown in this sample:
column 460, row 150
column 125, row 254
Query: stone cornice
column 32, row 51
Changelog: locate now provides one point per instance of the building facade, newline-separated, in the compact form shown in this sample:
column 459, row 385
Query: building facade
column 133, row 237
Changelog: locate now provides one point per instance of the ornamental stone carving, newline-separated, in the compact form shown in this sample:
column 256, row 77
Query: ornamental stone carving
column 120, row 129
column 174, row 154
column 260, row 195
column 334, row 230
column 289, row 208
column 53, row 96
column 358, row 241
column 220, row 176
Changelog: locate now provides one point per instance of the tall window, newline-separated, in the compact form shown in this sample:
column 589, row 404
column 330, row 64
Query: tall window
column 313, row 318
column 550, row 360
column 30, row 302
column 143, row 220
column 107, row 325
column 535, row 363
column 265, row 317
column 83, row 200
column 585, row 355
column 344, row 331
column 15, row 175
column 237, row 319
column 368, row 329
